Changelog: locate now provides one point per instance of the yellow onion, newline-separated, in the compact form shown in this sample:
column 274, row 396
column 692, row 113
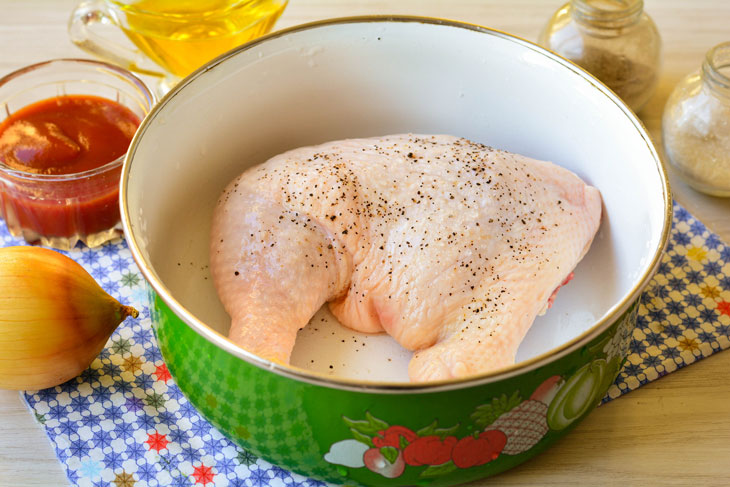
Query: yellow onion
column 54, row 318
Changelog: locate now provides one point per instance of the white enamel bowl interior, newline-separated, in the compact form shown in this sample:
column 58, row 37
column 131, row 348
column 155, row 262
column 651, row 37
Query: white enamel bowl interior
column 358, row 79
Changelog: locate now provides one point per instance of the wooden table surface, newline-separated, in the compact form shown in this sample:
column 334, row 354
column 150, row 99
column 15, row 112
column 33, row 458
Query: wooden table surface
column 675, row 431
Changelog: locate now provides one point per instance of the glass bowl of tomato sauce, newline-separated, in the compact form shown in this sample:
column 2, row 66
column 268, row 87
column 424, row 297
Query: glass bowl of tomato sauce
column 65, row 127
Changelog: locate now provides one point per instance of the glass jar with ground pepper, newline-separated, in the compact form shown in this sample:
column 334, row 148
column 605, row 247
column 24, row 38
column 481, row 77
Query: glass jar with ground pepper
column 696, row 125
column 614, row 40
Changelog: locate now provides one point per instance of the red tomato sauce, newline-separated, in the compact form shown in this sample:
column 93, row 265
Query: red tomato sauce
column 64, row 136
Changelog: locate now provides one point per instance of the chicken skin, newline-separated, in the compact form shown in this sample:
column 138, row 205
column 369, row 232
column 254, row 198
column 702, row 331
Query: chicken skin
column 449, row 246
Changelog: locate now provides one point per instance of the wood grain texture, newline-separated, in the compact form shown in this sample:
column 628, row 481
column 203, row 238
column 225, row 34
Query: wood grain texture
column 675, row 431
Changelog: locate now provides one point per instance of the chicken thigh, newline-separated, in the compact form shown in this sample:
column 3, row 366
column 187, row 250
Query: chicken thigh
column 449, row 246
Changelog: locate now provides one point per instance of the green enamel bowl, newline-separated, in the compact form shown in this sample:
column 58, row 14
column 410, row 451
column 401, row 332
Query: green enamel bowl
column 343, row 412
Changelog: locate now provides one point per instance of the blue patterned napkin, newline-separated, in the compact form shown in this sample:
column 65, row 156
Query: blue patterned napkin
column 685, row 310
column 124, row 422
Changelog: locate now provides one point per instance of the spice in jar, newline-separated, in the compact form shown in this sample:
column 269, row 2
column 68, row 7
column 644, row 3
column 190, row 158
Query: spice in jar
column 615, row 40
column 696, row 125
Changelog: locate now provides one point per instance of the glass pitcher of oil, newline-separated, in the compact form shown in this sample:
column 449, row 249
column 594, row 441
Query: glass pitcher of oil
column 177, row 35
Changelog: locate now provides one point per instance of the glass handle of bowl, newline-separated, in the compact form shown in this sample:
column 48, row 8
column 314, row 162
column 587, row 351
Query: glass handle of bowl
column 82, row 33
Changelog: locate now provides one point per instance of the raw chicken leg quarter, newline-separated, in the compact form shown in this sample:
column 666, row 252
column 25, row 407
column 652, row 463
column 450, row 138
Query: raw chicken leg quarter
column 449, row 246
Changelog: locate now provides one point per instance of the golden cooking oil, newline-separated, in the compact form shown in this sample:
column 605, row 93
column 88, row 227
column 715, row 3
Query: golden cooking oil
column 182, row 35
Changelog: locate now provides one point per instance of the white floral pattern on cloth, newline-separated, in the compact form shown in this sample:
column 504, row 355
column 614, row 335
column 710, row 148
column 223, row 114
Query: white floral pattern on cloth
column 124, row 423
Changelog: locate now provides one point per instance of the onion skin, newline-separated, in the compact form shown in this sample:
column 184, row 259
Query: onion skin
column 54, row 318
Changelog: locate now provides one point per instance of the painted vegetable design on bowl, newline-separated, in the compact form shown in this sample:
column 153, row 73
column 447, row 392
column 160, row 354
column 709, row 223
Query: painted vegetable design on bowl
column 585, row 388
column 506, row 425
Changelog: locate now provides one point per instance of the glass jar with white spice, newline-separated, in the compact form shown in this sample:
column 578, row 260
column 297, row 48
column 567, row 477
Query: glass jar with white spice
column 614, row 40
column 696, row 125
